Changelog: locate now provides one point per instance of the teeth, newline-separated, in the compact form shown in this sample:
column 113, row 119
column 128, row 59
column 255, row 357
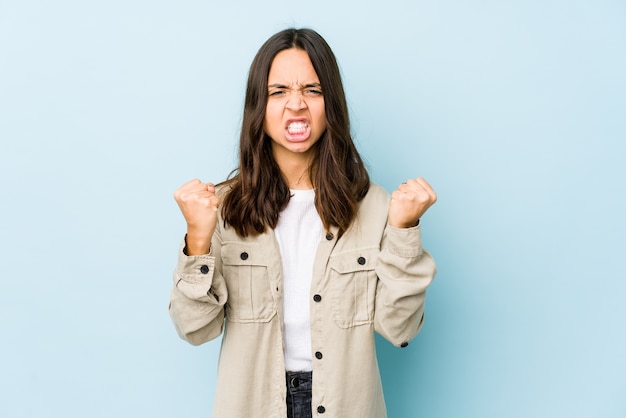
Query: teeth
column 297, row 127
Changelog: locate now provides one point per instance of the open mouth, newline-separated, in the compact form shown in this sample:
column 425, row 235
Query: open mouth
column 298, row 131
column 297, row 128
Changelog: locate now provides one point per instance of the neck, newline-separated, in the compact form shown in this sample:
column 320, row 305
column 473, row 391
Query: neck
column 296, row 171
column 297, row 176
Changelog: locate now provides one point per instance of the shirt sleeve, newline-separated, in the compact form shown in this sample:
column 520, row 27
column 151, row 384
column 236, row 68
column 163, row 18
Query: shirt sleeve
column 404, row 272
column 198, row 296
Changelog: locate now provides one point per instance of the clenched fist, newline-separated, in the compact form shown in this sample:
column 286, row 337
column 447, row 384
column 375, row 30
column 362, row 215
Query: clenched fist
column 199, row 205
column 409, row 202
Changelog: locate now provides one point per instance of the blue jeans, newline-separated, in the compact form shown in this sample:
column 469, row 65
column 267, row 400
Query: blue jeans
column 299, row 386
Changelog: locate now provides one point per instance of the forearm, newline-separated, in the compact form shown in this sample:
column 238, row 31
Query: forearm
column 197, row 299
column 404, row 272
column 196, row 243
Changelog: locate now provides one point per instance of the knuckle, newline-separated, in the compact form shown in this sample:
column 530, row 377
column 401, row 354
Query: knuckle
column 214, row 201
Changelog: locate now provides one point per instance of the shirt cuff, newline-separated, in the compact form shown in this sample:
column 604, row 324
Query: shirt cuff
column 404, row 242
column 195, row 268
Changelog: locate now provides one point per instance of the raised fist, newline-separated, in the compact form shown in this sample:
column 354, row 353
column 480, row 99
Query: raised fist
column 199, row 205
column 409, row 202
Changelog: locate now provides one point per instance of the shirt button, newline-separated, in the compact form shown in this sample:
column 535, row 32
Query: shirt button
column 318, row 355
column 204, row 269
column 321, row 409
column 244, row 255
column 404, row 344
column 295, row 382
column 361, row 260
column 317, row 298
column 329, row 237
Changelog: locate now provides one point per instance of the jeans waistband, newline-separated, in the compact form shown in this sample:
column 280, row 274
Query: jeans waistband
column 298, row 382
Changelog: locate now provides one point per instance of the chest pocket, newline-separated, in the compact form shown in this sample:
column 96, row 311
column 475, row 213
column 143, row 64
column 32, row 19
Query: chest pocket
column 353, row 287
column 245, row 271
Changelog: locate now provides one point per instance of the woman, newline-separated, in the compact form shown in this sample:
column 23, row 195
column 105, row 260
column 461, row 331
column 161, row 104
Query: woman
column 298, row 259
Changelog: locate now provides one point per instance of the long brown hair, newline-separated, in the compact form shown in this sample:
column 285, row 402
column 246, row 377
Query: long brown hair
column 257, row 192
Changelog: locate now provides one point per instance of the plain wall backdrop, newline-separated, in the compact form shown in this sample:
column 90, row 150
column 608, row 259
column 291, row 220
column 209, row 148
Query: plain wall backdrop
column 515, row 111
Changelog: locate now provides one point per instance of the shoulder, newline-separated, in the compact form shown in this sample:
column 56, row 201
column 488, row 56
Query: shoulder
column 377, row 190
column 375, row 204
column 376, row 195
column 370, row 221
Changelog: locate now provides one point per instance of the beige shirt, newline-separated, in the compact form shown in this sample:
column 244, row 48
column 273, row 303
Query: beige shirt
column 372, row 279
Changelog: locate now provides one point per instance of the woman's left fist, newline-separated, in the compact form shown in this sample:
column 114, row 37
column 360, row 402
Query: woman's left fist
column 409, row 202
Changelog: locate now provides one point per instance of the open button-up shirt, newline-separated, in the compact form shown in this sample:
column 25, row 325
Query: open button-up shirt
column 373, row 278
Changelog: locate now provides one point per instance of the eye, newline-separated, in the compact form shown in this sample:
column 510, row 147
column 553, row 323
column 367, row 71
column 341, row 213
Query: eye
column 276, row 93
column 313, row 92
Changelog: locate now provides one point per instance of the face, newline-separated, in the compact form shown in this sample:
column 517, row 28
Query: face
column 294, row 115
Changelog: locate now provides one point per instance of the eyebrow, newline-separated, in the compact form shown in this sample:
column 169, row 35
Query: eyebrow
column 282, row 86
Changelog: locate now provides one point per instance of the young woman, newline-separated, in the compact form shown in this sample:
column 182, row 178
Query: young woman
column 298, row 259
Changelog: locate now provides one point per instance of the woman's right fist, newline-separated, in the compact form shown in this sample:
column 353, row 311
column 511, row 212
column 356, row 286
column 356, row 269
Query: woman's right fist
column 199, row 205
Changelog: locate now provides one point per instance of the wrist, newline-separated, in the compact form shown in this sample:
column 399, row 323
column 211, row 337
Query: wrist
column 404, row 225
column 195, row 245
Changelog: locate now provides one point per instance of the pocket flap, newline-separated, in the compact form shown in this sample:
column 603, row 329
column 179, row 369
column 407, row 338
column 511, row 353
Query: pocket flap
column 238, row 254
column 358, row 260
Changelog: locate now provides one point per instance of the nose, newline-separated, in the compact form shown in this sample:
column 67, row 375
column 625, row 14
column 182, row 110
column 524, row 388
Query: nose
column 295, row 101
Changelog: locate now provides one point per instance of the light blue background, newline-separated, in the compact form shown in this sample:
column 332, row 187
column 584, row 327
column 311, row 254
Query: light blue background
column 515, row 111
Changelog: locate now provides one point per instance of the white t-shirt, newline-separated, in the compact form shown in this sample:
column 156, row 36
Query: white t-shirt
column 298, row 232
